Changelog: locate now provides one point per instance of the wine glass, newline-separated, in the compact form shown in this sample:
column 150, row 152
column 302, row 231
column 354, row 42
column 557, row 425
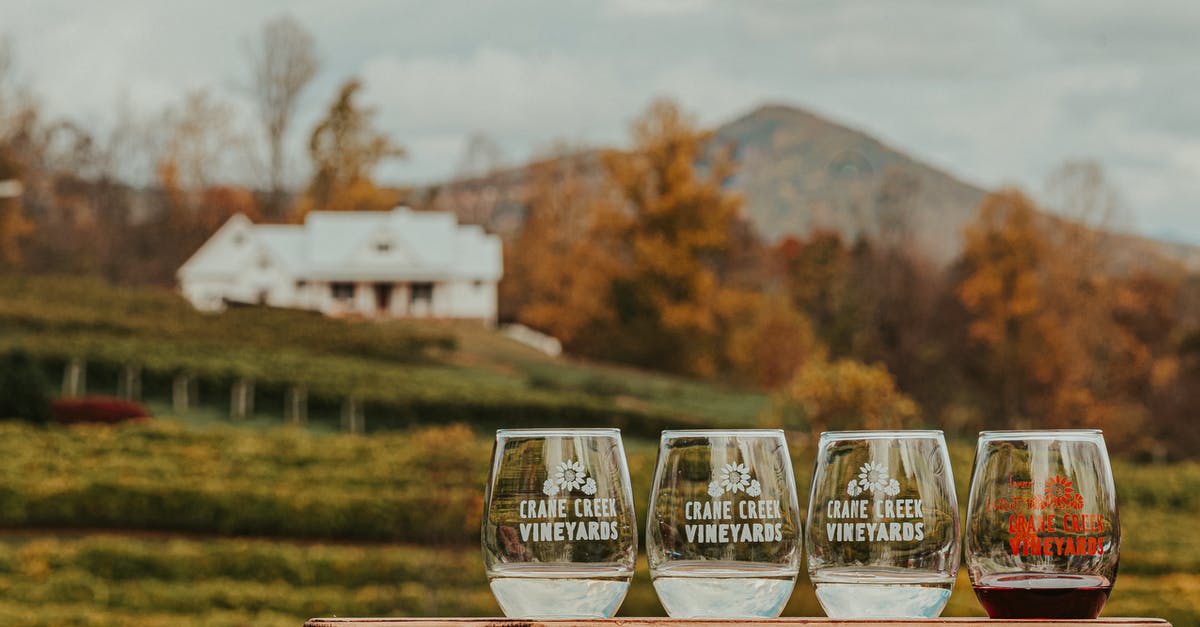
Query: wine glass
column 883, row 528
column 559, row 533
column 1043, row 535
column 723, row 530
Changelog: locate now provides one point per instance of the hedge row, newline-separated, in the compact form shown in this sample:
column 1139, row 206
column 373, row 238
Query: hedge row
column 393, row 396
column 80, row 306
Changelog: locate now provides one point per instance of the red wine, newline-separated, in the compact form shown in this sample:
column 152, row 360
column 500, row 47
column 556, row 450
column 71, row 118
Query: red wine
column 1035, row 595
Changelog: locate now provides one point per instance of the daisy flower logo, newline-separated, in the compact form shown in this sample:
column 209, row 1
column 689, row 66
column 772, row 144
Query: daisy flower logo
column 734, row 478
column 873, row 477
column 569, row 476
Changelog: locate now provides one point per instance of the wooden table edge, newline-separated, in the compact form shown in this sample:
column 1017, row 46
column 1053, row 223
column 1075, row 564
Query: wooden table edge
column 701, row 622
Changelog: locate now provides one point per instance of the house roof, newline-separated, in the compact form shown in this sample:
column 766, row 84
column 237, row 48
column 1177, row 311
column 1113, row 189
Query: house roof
column 401, row 244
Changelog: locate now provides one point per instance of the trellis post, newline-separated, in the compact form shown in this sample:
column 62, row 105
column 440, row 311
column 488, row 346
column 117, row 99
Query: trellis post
column 182, row 395
column 241, row 399
column 295, row 405
column 129, row 386
column 353, row 420
column 74, row 378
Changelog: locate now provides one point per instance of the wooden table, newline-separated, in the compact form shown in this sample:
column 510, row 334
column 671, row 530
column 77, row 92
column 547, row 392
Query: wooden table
column 775, row 622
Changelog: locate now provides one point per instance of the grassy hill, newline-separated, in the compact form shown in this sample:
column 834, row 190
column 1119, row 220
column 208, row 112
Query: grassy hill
column 402, row 372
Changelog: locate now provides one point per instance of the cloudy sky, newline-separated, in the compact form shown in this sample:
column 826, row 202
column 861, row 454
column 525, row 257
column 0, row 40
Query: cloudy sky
column 996, row 92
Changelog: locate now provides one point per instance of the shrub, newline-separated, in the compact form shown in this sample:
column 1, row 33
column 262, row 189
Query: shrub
column 843, row 394
column 24, row 392
column 97, row 409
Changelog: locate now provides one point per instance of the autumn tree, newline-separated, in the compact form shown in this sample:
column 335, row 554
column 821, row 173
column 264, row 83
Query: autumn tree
column 765, row 339
column 842, row 394
column 677, row 242
column 282, row 63
column 560, row 267
column 14, row 225
column 345, row 148
column 1000, row 290
column 1056, row 327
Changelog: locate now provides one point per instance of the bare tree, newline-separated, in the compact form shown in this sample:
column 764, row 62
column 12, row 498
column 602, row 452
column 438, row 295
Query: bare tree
column 283, row 63
column 481, row 156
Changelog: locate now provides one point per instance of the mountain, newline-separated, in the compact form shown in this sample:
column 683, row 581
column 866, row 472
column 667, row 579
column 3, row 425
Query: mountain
column 799, row 172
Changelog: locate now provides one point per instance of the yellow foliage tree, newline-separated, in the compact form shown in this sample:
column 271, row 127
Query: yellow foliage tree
column 14, row 226
column 345, row 148
column 842, row 394
column 677, row 228
column 765, row 338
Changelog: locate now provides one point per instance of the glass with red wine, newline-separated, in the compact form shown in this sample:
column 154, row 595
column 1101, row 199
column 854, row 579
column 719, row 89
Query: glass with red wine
column 1043, row 536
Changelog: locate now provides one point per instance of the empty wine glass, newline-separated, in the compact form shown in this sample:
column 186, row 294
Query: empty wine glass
column 723, row 530
column 1043, row 535
column 883, row 527
column 559, row 533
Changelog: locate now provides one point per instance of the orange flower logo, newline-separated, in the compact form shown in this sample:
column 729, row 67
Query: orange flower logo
column 1061, row 494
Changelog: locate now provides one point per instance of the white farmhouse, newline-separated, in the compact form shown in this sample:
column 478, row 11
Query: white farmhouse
column 400, row 263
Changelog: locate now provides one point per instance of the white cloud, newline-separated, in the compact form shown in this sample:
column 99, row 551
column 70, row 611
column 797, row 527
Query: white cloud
column 995, row 92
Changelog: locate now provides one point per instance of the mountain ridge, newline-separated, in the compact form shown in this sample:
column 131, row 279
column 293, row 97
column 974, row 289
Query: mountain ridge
column 799, row 171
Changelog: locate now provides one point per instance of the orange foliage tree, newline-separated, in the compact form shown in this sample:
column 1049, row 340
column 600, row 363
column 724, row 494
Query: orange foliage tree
column 1046, row 318
column 560, row 266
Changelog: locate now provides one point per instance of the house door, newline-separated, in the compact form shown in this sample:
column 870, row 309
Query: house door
column 383, row 297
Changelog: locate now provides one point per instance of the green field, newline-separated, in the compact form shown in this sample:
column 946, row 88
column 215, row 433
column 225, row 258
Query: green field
column 200, row 521
column 170, row 524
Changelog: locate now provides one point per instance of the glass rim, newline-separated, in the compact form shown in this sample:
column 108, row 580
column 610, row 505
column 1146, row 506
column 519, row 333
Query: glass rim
column 1040, row 434
column 683, row 433
column 560, row 431
column 883, row 434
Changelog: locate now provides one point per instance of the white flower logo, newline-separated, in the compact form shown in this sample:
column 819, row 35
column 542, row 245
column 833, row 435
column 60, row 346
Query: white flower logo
column 734, row 478
column 873, row 477
column 569, row 476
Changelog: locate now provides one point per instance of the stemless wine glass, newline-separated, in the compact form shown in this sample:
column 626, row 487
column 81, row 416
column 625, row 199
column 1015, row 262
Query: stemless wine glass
column 723, row 530
column 1043, row 536
column 883, row 529
column 559, row 537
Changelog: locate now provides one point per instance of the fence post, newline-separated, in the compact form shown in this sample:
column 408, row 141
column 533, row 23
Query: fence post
column 74, row 378
column 241, row 399
column 353, row 420
column 295, row 405
column 181, row 393
column 129, row 386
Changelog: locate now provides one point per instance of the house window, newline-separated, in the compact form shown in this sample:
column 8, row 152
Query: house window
column 342, row 291
column 420, row 292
